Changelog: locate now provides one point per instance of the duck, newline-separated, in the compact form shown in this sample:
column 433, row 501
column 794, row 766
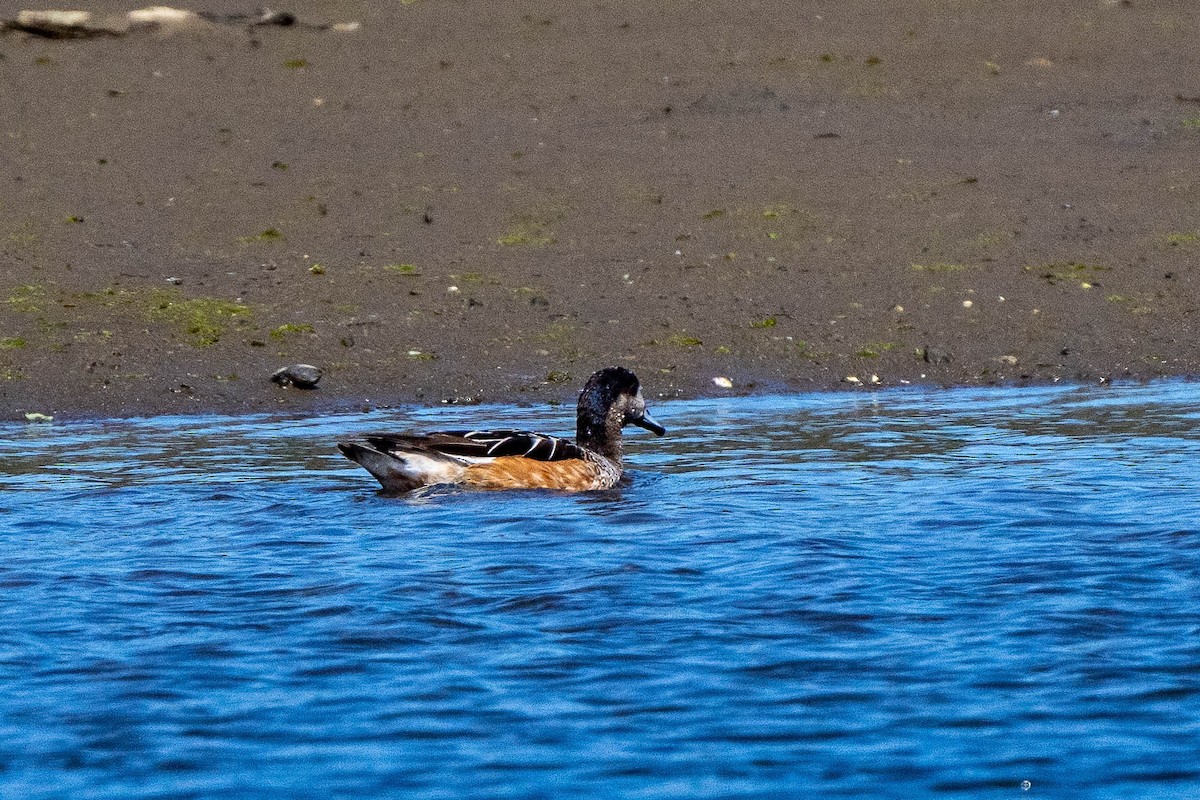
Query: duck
column 512, row 459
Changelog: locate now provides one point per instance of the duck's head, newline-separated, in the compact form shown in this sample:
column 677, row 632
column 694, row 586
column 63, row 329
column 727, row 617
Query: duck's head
column 610, row 400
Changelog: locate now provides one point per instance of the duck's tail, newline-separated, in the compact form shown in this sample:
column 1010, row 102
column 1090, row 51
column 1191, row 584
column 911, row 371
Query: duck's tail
column 401, row 469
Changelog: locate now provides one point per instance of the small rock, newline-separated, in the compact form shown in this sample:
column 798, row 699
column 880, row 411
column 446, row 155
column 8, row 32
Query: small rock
column 302, row 376
column 174, row 281
column 1010, row 360
column 875, row 380
column 967, row 303
column 852, row 379
column 33, row 416
column 899, row 309
column 723, row 382
column 936, row 355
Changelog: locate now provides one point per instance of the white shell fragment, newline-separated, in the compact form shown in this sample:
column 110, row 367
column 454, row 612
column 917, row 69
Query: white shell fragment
column 723, row 382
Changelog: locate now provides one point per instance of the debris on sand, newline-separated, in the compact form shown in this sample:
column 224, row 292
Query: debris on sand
column 301, row 376
column 77, row 24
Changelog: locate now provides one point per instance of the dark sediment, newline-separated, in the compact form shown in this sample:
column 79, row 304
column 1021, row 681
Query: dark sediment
column 450, row 205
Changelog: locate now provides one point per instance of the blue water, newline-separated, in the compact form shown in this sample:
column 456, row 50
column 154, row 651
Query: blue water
column 902, row 594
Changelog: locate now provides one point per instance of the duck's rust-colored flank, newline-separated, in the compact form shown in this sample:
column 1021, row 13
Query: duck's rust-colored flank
column 516, row 472
column 611, row 399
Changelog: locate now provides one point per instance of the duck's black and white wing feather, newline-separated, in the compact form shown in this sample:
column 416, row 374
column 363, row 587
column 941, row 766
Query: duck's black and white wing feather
column 473, row 445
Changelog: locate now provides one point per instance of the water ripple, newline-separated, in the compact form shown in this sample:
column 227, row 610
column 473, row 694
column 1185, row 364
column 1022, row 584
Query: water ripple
column 902, row 594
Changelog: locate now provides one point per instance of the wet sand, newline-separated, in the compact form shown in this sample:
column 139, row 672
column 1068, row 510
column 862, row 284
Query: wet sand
column 457, row 204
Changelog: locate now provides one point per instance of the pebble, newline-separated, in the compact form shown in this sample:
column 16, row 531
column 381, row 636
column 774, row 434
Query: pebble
column 33, row 416
column 936, row 355
column 302, row 376
column 1010, row 360
column 723, row 382
column 853, row 379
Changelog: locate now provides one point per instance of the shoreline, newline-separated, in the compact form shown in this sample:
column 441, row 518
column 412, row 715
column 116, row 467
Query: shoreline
column 313, row 406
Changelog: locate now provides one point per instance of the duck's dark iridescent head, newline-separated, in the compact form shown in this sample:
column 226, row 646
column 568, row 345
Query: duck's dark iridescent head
column 610, row 400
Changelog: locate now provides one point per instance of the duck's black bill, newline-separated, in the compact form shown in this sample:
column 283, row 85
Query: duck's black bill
column 646, row 421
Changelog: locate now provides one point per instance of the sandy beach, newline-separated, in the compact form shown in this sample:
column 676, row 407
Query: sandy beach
column 441, row 202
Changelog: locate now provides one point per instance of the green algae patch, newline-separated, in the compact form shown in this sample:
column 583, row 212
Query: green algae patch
column 403, row 269
column 533, row 225
column 472, row 278
column 1068, row 272
column 525, row 236
column 202, row 320
column 269, row 235
column 1182, row 238
column 12, row 343
column 289, row 329
column 990, row 239
column 874, row 349
column 683, row 340
column 806, row 350
column 29, row 298
column 769, row 322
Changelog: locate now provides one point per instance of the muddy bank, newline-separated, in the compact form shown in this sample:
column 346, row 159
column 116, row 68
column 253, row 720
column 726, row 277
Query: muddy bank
column 447, row 205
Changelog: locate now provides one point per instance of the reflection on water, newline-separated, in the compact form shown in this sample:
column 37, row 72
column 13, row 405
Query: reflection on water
column 889, row 595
